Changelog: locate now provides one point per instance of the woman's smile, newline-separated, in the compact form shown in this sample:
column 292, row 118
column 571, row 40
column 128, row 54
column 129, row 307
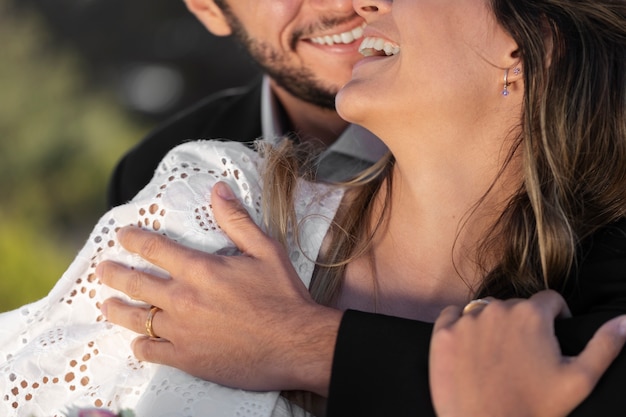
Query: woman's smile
column 374, row 46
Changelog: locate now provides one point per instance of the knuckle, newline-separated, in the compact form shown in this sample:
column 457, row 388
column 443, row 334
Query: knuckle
column 234, row 212
column 111, row 273
column 239, row 214
column 608, row 345
column 267, row 247
column 150, row 351
column 151, row 247
column 530, row 311
column 183, row 302
column 495, row 309
column 240, row 218
column 143, row 349
column 198, row 263
column 582, row 383
column 444, row 338
column 552, row 293
column 134, row 284
column 198, row 271
column 138, row 318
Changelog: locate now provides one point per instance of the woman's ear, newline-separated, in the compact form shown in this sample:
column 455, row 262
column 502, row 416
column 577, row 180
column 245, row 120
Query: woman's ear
column 211, row 16
column 516, row 68
column 511, row 58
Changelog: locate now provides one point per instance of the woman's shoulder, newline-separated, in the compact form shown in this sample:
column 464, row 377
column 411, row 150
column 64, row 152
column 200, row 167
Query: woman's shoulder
column 210, row 154
column 599, row 277
column 607, row 243
column 177, row 200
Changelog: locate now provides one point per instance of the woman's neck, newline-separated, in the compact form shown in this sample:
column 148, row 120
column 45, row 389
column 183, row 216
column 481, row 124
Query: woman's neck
column 443, row 202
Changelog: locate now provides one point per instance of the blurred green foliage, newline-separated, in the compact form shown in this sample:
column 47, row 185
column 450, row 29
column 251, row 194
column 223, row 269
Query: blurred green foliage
column 59, row 140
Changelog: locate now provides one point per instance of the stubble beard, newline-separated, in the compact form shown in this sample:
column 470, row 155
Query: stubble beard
column 300, row 82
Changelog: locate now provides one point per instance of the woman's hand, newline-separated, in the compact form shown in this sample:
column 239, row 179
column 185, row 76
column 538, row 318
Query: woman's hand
column 502, row 359
column 244, row 321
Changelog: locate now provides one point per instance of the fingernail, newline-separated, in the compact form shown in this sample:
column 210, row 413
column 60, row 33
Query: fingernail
column 224, row 191
column 622, row 326
column 103, row 309
column 98, row 270
column 120, row 232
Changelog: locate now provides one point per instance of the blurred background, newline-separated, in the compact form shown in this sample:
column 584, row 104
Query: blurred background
column 81, row 81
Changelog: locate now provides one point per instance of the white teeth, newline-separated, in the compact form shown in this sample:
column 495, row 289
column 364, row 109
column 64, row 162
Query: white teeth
column 370, row 46
column 341, row 38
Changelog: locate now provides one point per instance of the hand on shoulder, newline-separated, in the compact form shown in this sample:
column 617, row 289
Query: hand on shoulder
column 243, row 321
column 503, row 359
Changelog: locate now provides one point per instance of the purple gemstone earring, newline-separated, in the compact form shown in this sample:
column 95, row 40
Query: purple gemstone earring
column 517, row 71
column 505, row 92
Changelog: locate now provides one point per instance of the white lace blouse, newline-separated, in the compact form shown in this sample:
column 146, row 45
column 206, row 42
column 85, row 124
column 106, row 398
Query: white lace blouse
column 59, row 353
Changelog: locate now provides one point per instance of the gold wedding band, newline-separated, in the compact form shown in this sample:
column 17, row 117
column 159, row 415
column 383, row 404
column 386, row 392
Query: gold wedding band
column 151, row 313
column 474, row 304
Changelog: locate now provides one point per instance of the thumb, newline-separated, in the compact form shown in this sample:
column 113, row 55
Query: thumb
column 601, row 350
column 235, row 221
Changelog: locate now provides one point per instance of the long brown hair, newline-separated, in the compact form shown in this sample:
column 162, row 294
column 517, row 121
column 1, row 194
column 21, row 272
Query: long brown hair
column 572, row 141
column 573, row 137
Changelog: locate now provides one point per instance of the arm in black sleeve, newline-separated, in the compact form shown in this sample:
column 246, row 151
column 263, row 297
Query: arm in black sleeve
column 380, row 367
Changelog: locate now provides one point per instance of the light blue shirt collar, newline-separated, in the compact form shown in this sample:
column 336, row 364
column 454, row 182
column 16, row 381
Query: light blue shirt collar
column 355, row 141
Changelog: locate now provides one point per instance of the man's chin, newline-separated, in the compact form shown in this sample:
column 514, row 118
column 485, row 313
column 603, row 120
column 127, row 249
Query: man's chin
column 309, row 92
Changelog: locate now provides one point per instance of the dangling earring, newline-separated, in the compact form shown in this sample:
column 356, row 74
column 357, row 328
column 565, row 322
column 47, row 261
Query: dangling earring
column 505, row 92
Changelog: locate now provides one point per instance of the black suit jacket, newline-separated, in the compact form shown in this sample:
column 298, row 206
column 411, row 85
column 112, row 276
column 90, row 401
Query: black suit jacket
column 233, row 114
column 381, row 363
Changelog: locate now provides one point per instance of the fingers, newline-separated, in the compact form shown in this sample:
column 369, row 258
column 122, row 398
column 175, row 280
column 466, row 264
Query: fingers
column 145, row 348
column 452, row 314
column 236, row 222
column 157, row 249
column 154, row 350
column 134, row 283
column 475, row 306
column 600, row 352
column 134, row 318
column 447, row 317
column 552, row 303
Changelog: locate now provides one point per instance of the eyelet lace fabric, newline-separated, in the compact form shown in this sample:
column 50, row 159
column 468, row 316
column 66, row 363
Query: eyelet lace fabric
column 59, row 353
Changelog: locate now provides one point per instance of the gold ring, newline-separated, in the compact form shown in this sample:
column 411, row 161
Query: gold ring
column 474, row 304
column 151, row 313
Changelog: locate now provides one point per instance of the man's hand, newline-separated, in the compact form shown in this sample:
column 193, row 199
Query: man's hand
column 502, row 359
column 243, row 321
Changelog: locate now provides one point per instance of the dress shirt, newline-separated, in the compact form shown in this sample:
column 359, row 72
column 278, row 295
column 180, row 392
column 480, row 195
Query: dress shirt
column 354, row 150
